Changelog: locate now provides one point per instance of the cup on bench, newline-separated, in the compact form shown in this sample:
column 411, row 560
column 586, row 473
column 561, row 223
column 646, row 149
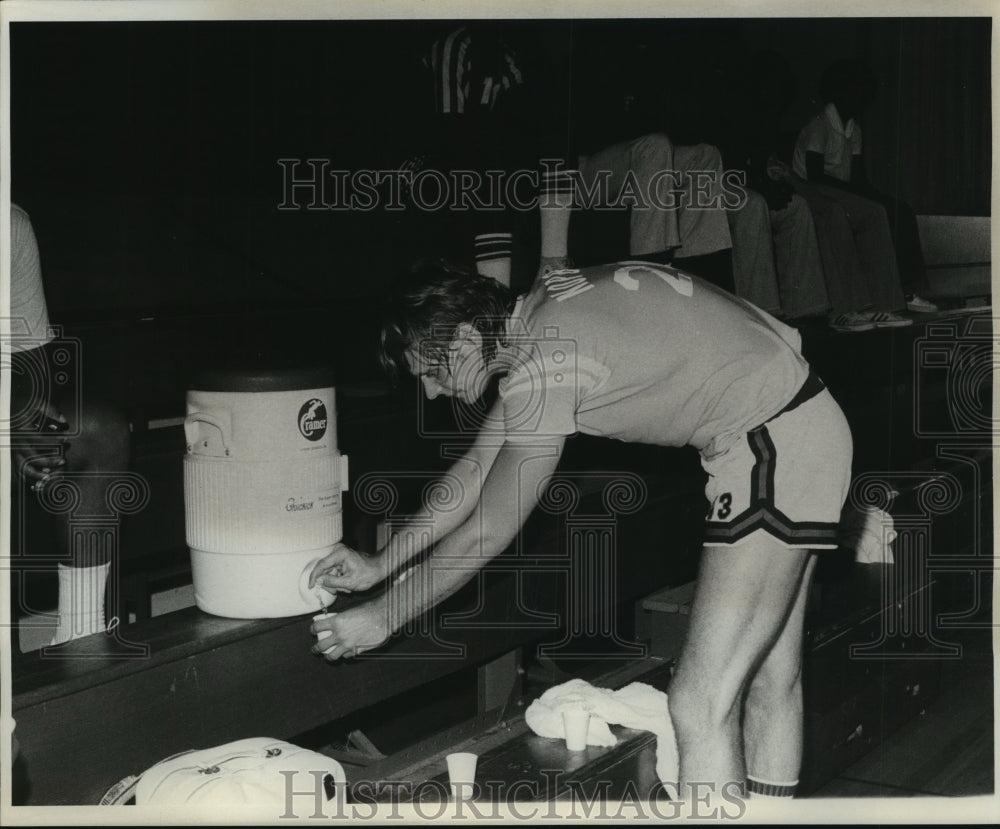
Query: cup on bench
column 576, row 721
column 462, row 774
column 323, row 634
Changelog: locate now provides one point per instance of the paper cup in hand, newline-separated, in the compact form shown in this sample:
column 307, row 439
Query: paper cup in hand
column 576, row 722
column 323, row 634
column 462, row 774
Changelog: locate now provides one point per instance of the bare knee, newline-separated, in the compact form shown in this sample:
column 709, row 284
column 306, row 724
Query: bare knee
column 101, row 438
column 699, row 707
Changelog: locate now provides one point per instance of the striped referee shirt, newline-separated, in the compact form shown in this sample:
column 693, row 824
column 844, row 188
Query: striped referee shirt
column 466, row 77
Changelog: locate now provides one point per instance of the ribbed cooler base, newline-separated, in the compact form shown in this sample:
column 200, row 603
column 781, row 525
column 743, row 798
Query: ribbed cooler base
column 266, row 586
column 262, row 507
column 256, row 528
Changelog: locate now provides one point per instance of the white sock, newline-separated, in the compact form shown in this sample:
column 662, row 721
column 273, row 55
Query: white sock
column 81, row 601
column 555, row 206
column 767, row 788
column 493, row 252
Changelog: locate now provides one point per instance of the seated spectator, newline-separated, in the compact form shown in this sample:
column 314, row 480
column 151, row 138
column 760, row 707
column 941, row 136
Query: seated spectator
column 100, row 444
column 855, row 233
column 822, row 153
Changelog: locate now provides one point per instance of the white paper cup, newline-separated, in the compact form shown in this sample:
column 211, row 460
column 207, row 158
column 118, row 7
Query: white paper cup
column 323, row 634
column 462, row 774
column 576, row 721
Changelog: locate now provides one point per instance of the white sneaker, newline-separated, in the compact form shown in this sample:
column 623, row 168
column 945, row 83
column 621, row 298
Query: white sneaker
column 887, row 319
column 852, row 321
column 920, row 305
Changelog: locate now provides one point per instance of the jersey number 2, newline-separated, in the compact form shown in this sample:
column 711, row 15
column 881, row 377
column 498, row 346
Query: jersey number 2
column 675, row 279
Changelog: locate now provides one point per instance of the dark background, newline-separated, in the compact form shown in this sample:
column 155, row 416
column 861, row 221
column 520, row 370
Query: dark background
column 146, row 153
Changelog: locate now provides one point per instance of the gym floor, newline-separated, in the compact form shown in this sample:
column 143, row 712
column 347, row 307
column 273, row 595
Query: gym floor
column 949, row 749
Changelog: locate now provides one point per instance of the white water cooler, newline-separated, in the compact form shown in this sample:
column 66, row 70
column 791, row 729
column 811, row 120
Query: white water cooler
column 262, row 489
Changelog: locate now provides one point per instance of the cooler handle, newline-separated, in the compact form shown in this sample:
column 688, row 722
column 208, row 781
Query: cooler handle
column 200, row 417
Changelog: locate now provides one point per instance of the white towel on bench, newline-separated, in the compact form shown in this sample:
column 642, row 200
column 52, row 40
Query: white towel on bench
column 638, row 706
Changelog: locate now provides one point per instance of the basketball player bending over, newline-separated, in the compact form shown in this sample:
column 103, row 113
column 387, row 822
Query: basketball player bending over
column 645, row 353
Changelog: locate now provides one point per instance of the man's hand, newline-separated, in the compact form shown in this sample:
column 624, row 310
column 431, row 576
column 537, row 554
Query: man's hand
column 38, row 450
column 344, row 570
column 354, row 631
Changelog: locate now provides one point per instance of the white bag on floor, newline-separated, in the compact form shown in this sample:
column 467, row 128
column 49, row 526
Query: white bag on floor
column 250, row 772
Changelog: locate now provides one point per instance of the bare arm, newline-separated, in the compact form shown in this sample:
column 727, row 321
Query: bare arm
column 447, row 505
column 509, row 495
column 516, row 479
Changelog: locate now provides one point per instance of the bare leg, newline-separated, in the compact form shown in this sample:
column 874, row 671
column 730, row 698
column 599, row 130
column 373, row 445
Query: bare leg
column 742, row 603
column 772, row 724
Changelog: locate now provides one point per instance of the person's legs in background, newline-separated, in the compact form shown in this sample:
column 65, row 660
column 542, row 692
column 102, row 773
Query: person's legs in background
column 875, row 250
column 754, row 275
column 800, row 277
column 678, row 213
column 859, row 264
column 67, row 523
column 493, row 252
column 909, row 252
column 99, row 451
column 556, row 196
column 706, row 243
column 653, row 231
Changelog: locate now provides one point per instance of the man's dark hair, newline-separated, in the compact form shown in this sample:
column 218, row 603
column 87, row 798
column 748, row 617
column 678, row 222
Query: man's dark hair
column 428, row 304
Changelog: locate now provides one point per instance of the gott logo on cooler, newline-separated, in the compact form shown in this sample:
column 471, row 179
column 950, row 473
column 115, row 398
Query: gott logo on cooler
column 312, row 419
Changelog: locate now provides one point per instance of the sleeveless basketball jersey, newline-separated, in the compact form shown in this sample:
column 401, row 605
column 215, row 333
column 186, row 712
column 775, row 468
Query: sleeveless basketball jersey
column 648, row 354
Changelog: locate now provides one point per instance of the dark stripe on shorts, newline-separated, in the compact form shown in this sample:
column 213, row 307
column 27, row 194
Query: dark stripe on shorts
column 762, row 482
column 770, row 519
column 762, row 512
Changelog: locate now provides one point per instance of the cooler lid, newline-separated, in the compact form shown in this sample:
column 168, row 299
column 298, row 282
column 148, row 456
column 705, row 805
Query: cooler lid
column 263, row 379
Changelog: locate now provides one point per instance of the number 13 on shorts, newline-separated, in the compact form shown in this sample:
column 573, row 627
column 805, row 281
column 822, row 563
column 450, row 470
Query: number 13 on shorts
column 722, row 507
